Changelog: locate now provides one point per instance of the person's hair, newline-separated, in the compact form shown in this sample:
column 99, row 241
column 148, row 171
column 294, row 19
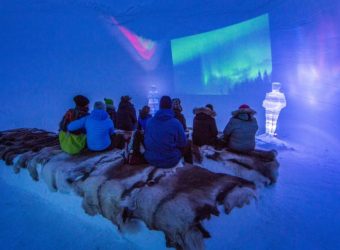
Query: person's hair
column 176, row 104
column 145, row 109
column 165, row 102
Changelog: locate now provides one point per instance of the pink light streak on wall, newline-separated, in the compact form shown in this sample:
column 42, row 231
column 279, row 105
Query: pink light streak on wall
column 145, row 48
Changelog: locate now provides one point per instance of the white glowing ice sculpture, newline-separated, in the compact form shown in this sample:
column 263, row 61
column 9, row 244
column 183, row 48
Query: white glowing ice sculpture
column 153, row 99
column 273, row 103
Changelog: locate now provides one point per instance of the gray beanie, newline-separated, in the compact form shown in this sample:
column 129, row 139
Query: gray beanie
column 99, row 105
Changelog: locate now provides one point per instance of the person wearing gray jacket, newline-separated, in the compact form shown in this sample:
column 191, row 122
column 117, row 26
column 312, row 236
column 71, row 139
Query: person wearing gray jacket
column 239, row 134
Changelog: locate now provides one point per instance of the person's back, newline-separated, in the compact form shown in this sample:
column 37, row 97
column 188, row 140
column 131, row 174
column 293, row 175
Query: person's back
column 180, row 117
column 110, row 109
column 144, row 116
column 241, row 130
column 99, row 128
column 204, row 127
column 164, row 137
column 177, row 108
column 126, row 115
column 81, row 110
column 75, row 142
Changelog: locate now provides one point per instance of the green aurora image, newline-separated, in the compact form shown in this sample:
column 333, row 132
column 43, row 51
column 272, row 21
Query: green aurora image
column 216, row 62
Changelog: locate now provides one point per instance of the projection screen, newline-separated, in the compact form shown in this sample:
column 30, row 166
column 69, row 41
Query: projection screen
column 218, row 61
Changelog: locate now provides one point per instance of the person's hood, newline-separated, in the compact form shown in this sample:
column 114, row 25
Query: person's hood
column 244, row 117
column 125, row 104
column 99, row 115
column 244, row 114
column 164, row 114
column 248, row 111
column 204, row 110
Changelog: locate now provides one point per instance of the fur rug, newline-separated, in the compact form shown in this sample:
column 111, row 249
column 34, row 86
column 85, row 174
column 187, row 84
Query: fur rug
column 172, row 201
column 260, row 167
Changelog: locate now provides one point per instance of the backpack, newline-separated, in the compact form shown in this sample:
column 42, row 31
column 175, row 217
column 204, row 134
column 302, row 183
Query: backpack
column 136, row 149
column 72, row 143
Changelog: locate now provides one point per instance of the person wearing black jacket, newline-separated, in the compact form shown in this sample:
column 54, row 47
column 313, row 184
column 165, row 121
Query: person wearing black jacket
column 126, row 118
column 111, row 110
column 74, row 142
column 177, row 108
column 79, row 111
column 144, row 116
column 204, row 127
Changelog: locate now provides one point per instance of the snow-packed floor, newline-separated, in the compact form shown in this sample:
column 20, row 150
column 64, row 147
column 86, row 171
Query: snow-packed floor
column 29, row 222
column 301, row 211
column 32, row 217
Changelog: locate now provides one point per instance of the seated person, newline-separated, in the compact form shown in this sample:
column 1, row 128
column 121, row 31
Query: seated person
column 99, row 128
column 111, row 110
column 74, row 142
column 81, row 109
column 136, row 145
column 126, row 115
column 164, row 137
column 144, row 116
column 204, row 126
column 239, row 134
column 177, row 108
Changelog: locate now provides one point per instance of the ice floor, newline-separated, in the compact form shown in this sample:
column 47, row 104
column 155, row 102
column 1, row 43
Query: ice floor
column 302, row 211
column 28, row 222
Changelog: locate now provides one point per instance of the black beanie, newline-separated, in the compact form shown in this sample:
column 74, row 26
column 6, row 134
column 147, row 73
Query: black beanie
column 210, row 106
column 165, row 102
column 81, row 100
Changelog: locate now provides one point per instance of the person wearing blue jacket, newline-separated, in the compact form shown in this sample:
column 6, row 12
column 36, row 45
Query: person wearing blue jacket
column 99, row 128
column 164, row 137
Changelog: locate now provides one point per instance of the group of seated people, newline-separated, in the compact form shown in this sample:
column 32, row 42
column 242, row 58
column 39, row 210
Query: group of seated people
column 162, row 136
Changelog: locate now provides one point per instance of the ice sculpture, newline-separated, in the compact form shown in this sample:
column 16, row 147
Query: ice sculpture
column 273, row 103
column 153, row 99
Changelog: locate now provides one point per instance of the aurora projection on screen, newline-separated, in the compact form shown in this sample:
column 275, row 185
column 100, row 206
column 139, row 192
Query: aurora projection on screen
column 217, row 61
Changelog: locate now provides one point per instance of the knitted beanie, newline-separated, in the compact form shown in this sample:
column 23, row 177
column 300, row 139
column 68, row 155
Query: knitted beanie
column 244, row 106
column 99, row 105
column 81, row 100
column 109, row 103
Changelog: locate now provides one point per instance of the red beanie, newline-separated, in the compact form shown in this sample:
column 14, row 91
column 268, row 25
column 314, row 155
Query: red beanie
column 244, row 106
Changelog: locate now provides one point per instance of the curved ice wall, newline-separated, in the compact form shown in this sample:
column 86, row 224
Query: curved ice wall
column 51, row 50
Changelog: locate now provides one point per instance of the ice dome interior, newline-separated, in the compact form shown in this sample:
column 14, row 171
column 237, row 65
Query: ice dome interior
column 226, row 53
